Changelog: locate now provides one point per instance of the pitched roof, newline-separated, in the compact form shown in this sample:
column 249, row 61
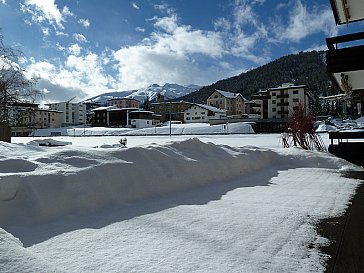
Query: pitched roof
column 230, row 95
column 208, row 107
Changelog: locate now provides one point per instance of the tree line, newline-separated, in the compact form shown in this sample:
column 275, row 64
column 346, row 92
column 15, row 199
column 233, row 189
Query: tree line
column 304, row 68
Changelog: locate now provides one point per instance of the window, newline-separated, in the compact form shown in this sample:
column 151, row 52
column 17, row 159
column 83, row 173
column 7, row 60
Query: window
column 296, row 100
column 147, row 121
column 188, row 118
column 187, row 114
column 273, row 93
column 274, row 117
column 295, row 91
column 274, row 109
column 202, row 113
column 274, row 101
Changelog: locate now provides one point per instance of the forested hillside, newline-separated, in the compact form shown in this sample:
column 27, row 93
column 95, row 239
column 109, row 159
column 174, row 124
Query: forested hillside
column 304, row 68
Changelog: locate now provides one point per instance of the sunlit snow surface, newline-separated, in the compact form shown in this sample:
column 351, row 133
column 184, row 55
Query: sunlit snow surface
column 234, row 203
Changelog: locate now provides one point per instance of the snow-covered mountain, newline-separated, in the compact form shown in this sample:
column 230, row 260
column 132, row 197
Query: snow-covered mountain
column 169, row 90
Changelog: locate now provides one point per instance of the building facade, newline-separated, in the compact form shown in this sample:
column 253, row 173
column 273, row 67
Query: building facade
column 124, row 103
column 25, row 117
column 170, row 110
column 280, row 102
column 73, row 113
column 196, row 113
column 232, row 103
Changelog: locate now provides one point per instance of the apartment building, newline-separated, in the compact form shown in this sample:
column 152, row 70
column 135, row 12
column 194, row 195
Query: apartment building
column 73, row 113
column 232, row 103
column 123, row 103
column 280, row 102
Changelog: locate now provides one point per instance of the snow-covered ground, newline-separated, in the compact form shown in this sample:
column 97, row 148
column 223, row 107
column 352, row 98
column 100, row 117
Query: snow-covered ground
column 224, row 203
column 174, row 129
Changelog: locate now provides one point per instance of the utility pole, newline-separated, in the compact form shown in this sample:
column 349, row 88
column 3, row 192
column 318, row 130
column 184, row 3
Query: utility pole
column 170, row 118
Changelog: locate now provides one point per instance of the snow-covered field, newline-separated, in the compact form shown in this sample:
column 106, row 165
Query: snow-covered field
column 224, row 203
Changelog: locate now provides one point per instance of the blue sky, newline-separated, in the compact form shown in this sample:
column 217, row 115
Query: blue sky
column 87, row 47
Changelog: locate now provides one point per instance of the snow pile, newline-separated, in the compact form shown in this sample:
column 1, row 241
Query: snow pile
column 196, row 129
column 325, row 128
column 80, row 131
column 185, row 206
column 176, row 129
column 55, row 183
column 15, row 258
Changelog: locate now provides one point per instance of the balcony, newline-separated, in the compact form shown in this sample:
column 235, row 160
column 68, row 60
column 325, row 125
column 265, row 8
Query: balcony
column 282, row 104
column 347, row 11
column 346, row 65
column 284, row 96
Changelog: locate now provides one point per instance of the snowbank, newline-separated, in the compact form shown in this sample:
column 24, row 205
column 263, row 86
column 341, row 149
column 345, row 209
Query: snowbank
column 42, row 184
column 176, row 129
column 15, row 258
column 141, row 209
column 55, row 183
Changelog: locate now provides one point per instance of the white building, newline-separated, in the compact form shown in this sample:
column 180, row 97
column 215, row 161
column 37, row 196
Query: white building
column 280, row 102
column 141, row 119
column 285, row 98
column 73, row 113
column 202, row 113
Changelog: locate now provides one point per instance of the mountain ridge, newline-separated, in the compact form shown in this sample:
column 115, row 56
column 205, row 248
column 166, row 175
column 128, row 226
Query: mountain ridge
column 169, row 90
column 304, row 68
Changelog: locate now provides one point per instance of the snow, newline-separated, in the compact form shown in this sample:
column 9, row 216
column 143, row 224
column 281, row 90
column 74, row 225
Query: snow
column 217, row 203
column 176, row 129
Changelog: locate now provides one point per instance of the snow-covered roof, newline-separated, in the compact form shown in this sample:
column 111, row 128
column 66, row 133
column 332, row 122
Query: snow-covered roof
column 107, row 108
column 208, row 107
column 286, row 87
column 229, row 95
column 142, row 111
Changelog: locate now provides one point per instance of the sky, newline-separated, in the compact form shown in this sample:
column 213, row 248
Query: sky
column 85, row 48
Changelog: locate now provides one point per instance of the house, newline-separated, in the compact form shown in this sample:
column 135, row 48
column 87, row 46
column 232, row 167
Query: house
column 202, row 113
column 124, row 103
column 170, row 110
column 345, row 58
column 143, row 119
column 232, row 103
column 72, row 113
column 112, row 116
column 24, row 117
column 280, row 102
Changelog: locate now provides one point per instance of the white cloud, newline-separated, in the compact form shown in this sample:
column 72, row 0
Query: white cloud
column 303, row 22
column 45, row 31
column 46, row 11
column 84, row 22
column 169, row 55
column 79, row 75
column 135, row 5
column 222, row 24
column 139, row 29
column 79, row 38
column 3, row 2
column 75, row 49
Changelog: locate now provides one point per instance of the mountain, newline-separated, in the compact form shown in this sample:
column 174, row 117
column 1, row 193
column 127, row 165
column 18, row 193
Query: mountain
column 306, row 68
column 169, row 91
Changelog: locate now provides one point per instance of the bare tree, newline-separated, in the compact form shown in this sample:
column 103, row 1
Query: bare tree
column 14, row 85
column 300, row 131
